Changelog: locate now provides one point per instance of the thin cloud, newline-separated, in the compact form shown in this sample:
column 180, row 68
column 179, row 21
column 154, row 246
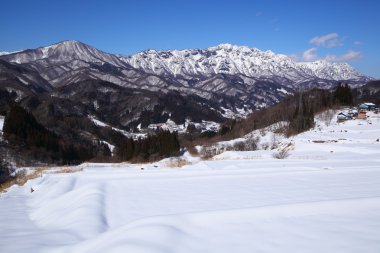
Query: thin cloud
column 358, row 43
column 334, row 43
column 310, row 55
column 347, row 57
column 258, row 14
column 328, row 40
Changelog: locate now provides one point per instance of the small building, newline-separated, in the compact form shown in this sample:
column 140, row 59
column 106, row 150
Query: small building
column 367, row 106
column 362, row 115
column 354, row 111
column 343, row 117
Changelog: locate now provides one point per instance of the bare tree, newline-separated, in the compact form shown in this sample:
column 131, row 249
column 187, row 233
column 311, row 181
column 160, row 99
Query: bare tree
column 274, row 143
column 282, row 154
column 327, row 116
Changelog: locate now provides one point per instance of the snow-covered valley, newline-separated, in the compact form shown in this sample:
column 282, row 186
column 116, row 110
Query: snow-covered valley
column 325, row 197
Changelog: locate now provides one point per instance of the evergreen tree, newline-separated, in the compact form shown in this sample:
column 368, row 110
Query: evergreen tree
column 21, row 127
column 160, row 145
column 343, row 94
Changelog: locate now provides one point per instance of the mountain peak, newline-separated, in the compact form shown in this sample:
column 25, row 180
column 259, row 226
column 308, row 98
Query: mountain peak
column 226, row 46
column 68, row 42
column 73, row 45
column 231, row 47
column 65, row 51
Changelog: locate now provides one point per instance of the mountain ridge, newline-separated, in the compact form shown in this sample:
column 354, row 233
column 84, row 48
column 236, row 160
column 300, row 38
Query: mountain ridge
column 232, row 59
column 71, row 48
column 228, row 79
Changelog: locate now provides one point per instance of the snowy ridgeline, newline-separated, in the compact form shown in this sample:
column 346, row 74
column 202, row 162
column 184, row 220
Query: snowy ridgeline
column 232, row 59
column 323, row 198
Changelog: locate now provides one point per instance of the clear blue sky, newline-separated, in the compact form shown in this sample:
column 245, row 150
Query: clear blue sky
column 346, row 30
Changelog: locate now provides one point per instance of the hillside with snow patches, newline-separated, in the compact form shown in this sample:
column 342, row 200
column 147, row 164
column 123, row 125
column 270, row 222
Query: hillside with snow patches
column 325, row 197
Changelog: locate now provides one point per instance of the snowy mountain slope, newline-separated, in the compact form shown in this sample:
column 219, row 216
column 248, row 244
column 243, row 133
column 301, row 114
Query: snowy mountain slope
column 323, row 198
column 60, row 63
column 181, row 67
column 236, row 78
column 22, row 79
column 232, row 60
column 65, row 51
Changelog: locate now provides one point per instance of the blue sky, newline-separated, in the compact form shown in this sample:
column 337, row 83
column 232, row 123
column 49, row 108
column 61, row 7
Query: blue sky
column 346, row 30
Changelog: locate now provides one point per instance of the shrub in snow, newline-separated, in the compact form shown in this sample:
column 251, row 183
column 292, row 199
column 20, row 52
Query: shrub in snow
column 274, row 143
column 265, row 146
column 251, row 144
column 20, row 175
column 282, row 154
column 239, row 146
column 207, row 152
column 246, row 145
column 327, row 116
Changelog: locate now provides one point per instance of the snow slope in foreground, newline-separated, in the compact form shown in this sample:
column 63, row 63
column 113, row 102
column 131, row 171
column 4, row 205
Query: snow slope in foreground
column 324, row 198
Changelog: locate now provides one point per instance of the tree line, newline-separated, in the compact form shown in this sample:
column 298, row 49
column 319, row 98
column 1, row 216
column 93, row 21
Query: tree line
column 23, row 132
column 160, row 145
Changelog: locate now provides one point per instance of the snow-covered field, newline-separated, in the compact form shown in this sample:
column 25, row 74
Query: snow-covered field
column 324, row 198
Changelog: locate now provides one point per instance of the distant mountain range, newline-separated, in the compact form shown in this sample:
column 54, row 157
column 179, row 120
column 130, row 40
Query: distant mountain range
column 236, row 60
column 72, row 78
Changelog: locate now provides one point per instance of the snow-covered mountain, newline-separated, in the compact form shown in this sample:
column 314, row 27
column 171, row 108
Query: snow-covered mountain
column 233, row 60
column 188, row 64
column 65, row 51
column 189, row 85
column 13, row 52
